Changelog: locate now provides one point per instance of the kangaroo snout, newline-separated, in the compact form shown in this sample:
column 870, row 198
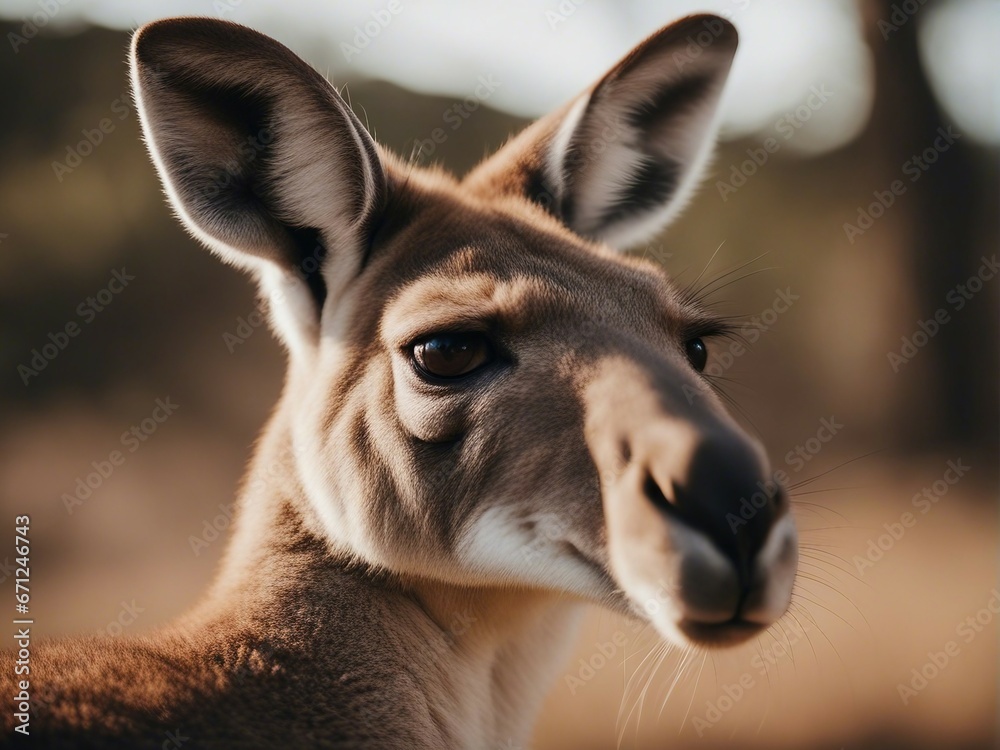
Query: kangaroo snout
column 707, row 496
column 707, row 489
column 699, row 535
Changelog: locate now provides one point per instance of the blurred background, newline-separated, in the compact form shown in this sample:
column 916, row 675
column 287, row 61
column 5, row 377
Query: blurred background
column 858, row 176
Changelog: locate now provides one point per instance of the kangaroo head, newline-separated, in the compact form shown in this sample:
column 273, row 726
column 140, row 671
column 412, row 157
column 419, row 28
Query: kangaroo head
column 481, row 390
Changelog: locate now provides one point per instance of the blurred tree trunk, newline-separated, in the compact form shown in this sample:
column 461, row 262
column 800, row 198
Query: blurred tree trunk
column 945, row 245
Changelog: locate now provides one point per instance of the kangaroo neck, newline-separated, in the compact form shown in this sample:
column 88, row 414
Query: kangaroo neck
column 482, row 659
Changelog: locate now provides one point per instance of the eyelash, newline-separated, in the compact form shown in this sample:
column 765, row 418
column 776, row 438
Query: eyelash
column 708, row 331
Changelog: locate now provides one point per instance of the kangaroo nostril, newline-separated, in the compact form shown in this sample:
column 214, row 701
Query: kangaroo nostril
column 652, row 490
column 721, row 490
column 624, row 451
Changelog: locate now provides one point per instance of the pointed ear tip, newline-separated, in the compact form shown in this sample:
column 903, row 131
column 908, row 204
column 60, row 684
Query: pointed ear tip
column 723, row 32
column 149, row 36
column 178, row 30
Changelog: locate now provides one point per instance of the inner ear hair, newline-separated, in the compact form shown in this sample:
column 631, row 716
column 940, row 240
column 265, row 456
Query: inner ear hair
column 617, row 163
column 261, row 158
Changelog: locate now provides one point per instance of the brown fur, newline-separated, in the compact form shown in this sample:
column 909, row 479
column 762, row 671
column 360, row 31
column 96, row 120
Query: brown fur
column 409, row 557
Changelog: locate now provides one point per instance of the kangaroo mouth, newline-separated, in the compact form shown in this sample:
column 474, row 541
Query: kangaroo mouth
column 720, row 634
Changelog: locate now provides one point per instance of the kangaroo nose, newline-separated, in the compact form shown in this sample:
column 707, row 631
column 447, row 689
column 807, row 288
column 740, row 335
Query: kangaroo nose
column 722, row 491
column 699, row 536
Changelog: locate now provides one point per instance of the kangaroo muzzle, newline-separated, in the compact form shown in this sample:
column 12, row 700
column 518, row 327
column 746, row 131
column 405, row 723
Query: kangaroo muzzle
column 699, row 536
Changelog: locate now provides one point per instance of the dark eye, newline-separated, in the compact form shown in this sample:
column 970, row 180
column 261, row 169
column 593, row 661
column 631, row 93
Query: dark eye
column 697, row 353
column 452, row 355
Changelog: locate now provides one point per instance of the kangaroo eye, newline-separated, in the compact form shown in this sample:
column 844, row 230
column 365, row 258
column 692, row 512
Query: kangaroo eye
column 697, row 353
column 451, row 355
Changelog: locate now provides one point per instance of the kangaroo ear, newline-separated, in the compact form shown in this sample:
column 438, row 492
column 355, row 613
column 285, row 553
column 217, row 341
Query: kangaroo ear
column 621, row 160
column 261, row 159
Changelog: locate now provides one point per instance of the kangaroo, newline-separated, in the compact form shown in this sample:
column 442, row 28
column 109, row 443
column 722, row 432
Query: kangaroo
column 491, row 417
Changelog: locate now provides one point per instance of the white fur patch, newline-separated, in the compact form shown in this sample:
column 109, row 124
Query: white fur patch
column 779, row 574
column 556, row 157
column 497, row 546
